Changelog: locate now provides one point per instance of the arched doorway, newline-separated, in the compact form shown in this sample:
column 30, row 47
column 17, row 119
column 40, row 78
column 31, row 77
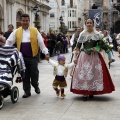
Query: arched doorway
column 18, row 19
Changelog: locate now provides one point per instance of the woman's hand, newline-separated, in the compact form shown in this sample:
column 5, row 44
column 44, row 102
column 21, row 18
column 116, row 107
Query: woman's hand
column 94, row 50
column 75, row 61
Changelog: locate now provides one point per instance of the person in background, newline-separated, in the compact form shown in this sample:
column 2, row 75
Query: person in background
column 59, row 43
column 114, row 42
column 42, row 55
column 73, row 40
column 108, row 39
column 10, row 30
column 38, row 28
column 51, row 38
column 118, row 43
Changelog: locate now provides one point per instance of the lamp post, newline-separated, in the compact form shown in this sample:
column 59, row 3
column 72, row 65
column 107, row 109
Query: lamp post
column 61, row 22
column 36, row 11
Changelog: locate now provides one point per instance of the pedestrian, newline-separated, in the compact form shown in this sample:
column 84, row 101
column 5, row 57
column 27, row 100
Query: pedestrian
column 91, row 76
column 108, row 40
column 118, row 43
column 28, row 41
column 59, row 43
column 42, row 55
column 60, row 72
column 51, row 38
column 114, row 42
column 73, row 40
column 10, row 30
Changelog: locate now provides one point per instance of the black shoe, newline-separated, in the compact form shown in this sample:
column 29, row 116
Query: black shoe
column 26, row 95
column 84, row 98
column 91, row 96
column 37, row 90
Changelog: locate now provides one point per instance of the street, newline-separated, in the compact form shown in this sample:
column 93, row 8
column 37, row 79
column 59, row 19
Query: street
column 47, row 106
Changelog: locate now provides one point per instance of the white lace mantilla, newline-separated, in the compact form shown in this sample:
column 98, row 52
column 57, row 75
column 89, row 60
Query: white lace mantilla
column 84, row 36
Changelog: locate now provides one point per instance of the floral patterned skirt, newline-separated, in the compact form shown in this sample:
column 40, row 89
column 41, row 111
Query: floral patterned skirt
column 91, row 76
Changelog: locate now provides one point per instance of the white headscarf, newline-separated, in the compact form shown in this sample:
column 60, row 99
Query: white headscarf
column 85, row 38
column 94, row 27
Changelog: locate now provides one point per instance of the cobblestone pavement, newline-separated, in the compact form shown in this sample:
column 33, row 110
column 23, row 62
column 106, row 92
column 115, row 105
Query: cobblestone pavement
column 47, row 106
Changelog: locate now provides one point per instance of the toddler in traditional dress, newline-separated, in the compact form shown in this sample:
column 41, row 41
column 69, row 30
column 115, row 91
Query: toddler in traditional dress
column 60, row 71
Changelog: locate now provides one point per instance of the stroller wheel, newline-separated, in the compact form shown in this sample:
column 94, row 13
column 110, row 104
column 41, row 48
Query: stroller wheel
column 14, row 94
column 1, row 101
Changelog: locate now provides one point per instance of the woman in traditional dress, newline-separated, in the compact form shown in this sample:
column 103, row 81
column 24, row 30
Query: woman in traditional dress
column 91, row 76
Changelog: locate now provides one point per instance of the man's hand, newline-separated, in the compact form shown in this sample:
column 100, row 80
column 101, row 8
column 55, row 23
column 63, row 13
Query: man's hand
column 47, row 57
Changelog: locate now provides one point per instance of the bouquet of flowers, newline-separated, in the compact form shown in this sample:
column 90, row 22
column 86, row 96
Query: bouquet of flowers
column 105, row 46
column 88, row 51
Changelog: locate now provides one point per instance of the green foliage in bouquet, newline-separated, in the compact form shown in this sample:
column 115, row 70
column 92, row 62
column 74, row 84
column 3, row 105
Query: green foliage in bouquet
column 104, row 45
column 101, row 44
column 88, row 51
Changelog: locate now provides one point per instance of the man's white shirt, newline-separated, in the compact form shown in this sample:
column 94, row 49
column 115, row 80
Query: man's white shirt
column 26, row 38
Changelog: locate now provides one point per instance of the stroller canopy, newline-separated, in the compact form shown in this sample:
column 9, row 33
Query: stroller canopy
column 8, row 58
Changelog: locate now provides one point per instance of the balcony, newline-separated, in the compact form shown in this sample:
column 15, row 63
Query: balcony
column 74, row 6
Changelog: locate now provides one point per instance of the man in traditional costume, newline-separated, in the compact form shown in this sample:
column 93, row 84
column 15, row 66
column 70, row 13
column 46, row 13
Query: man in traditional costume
column 28, row 41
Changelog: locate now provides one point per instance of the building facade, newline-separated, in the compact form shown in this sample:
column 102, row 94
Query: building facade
column 11, row 10
column 71, row 12
column 110, row 17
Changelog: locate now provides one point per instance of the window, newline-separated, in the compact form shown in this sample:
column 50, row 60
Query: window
column 63, row 13
column 70, row 13
column 70, row 24
column 63, row 2
column 73, row 24
column 73, row 14
column 52, row 15
column 52, row 5
column 71, row 3
column 52, row 25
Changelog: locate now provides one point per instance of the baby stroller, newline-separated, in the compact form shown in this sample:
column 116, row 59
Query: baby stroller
column 9, row 72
